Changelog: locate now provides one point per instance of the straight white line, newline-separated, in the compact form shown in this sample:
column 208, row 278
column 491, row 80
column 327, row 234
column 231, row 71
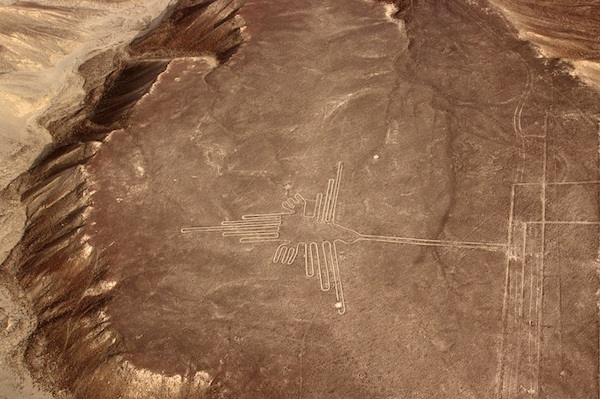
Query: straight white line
column 433, row 243
column 326, row 263
column 256, row 240
column 565, row 222
column 519, row 311
column 559, row 183
column 542, row 266
column 318, row 207
column 328, row 198
column 523, row 257
column 253, row 227
column 255, row 233
column 204, row 229
column 501, row 371
column 242, row 223
column 336, row 270
column 529, row 318
column 262, row 216
column 513, row 332
column 336, row 191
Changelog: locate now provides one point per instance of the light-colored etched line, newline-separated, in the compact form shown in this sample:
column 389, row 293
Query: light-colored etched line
column 336, row 192
column 312, row 258
column 315, row 258
column 331, row 192
column 540, row 304
column 327, row 202
column 284, row 254
column 574, row 222
column 235, row 225
column 309, row 267
column 529, row 321
column 242, row 227
column 560, row 183
column 574, row 183
column 527, row 184
column 519, row 314
column 264, row 216
column 328, row 256
column 337, row 278
column 517, row 116
column 252, row 234
column 249, row 230
column 264, row 236
column 245, row 229
column 304, row 203
column 247, row 240
column 560, row 317
column 318, row 207
column 289, row 208
column 491, row 246
column 514, row 331
column 523, row 256
column 323, row 207
column 291, row 256
column 260, row 238
column 504, row 343
column 530, row 318
column 323, row 272
column 244, row 223
column 203, row 229
column 292, row 203
column 538, row 329
column 279, row 252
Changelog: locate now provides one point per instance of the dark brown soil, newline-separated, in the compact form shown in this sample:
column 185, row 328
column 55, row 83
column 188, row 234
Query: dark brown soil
column 439, row 140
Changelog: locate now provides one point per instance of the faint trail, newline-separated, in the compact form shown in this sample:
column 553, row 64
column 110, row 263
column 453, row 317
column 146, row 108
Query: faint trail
column 301, row 355
column 518, row 129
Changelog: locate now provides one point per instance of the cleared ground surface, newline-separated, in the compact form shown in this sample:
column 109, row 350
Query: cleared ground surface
column 448, row 186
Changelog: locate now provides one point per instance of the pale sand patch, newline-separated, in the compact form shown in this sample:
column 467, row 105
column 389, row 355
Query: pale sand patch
column 44, row 43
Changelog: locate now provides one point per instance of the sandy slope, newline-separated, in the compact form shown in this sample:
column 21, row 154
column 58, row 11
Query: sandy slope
column 42, row 44
column 42, row 47
column 559, row 29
